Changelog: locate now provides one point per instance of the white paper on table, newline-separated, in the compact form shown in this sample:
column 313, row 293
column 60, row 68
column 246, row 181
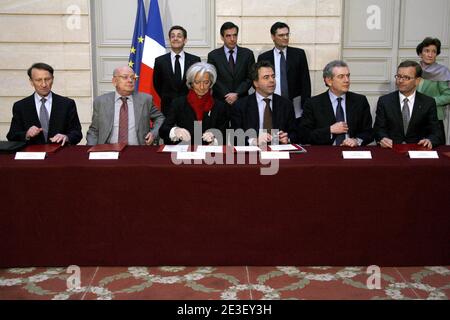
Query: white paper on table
column 104, row 155
column 30, row 155
column 176, row 148
column 283, row 147
column 272, row 155
column 357, row 154
column 247, row 149
column 191, row 155
column 210, row 149
column 423, row 154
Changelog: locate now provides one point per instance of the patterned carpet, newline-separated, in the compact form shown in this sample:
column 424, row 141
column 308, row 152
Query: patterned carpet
column 224, row 283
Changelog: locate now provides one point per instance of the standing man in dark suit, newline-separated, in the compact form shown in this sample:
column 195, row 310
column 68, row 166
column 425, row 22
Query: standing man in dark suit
column 291, row 66
column 264, row 110
column 169, row 74
column 406, row 115
column 337, row 116
column 44, row 117
column 233, row 64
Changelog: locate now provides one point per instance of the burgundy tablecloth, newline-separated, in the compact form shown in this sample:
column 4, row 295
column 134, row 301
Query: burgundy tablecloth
column 144, row 210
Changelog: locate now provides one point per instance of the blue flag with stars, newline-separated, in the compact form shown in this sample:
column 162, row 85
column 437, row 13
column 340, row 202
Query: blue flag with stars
column 137, row 46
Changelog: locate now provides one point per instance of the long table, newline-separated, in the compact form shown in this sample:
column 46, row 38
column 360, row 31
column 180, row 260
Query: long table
column 142, row 209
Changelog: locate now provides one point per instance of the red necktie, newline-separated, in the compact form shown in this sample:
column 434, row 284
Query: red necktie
column 123, row 121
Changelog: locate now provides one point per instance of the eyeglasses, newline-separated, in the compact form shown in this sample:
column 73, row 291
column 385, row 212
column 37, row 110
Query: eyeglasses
column 130, row 77
column 205, row 82
column 400, row 77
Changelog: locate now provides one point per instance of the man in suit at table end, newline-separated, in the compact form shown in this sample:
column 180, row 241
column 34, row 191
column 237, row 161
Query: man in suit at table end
column 44, row 117
column 406, row 115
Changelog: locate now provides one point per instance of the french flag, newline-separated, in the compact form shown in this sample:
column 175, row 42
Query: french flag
column 154, row 46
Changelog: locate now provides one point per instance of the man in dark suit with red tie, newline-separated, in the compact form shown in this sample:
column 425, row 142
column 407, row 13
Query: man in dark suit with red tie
column 44, row 117
column 291, row 66
column 406, row 115
column 264, row 110
column 169, row 73
column 233, row 64
column 337, row 117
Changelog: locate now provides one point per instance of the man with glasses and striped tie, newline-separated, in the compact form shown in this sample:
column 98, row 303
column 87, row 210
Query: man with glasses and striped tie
column 44, row 117
column 406, row 115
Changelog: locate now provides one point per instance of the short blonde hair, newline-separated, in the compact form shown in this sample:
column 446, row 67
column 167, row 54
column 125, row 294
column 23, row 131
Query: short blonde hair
column 201, row 68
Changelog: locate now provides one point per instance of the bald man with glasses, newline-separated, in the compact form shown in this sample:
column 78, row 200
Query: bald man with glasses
column 124, row 116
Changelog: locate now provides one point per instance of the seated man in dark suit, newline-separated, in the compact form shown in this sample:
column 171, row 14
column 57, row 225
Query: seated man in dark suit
column 337, row 117
column 406, row 115
column 291, row 66
column 44, row 117
column 169, row 73
column 264, row 110
column 232, row 64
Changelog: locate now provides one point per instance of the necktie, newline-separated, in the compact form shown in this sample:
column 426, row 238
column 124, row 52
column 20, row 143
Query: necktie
column 283, row 76
column 340, row 118
column 178, row 69
column 123, row 121
column 231, row 60
column 267, row 120
column 43, row 118
column 405, row 115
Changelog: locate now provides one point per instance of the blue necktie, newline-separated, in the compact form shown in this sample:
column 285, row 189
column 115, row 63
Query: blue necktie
column 283, row 76
column 340, row 118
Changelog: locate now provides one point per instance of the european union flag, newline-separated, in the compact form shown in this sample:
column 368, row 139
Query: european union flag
column 137, row 46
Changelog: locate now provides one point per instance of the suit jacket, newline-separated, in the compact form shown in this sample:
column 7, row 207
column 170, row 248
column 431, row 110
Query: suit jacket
column 245, row 115
column 103, row 118
column 182, row 115
column 422, row 125
column 227, row 81
column 63, row 119
column 164, row 79
column 318, row 116
column 299, row 81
